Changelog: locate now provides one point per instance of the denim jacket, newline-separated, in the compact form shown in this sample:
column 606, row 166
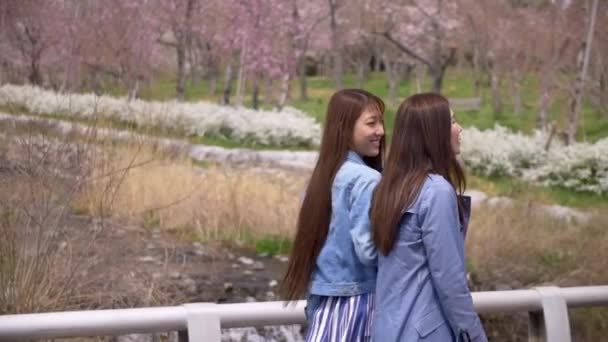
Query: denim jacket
column 422, row 291
column 347, row 262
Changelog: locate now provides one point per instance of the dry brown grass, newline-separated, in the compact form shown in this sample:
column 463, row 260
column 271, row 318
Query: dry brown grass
column 38, row 181
column 521, row 248
column 170, row 192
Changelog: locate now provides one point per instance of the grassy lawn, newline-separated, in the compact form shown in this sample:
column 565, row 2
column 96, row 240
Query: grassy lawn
column 458, row 83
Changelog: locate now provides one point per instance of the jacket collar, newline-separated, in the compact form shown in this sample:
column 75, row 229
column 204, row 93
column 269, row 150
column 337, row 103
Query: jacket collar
column 354, row 157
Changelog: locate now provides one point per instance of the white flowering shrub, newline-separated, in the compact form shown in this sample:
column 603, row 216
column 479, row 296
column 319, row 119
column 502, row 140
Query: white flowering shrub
column 499, row 152
column 582, row 166
column 289, row 127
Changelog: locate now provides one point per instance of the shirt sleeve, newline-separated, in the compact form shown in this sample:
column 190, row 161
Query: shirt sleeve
column 444, row 248
column 361, row 197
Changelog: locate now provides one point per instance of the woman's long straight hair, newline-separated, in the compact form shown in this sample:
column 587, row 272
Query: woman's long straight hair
column 421, row 145
column 344, row 108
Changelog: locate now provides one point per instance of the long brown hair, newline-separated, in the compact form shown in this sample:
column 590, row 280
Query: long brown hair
column 344, row 108
column 421, row 145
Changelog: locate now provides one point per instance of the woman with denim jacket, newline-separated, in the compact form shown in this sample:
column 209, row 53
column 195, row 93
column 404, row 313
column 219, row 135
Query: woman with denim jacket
column 418, row 226
column 333, row 260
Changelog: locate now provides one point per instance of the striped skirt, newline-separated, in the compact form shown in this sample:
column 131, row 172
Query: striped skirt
column 345, row 319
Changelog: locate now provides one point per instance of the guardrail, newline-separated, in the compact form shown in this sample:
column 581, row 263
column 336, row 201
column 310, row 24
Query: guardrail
column 548, row 308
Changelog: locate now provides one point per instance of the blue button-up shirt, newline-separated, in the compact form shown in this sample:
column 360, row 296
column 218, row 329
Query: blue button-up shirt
column 422, row 291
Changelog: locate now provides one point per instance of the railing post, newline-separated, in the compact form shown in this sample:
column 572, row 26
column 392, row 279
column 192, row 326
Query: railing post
column 552, row 324
column 203, row 322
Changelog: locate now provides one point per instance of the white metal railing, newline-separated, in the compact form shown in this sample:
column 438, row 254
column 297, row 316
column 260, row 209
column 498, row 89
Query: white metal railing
column 548, row 308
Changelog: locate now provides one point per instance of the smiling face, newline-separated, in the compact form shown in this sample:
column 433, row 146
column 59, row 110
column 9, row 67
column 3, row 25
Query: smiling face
column 368, row 132
column 456, row 134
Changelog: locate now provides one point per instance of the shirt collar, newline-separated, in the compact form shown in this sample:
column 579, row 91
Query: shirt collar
column 354, row 157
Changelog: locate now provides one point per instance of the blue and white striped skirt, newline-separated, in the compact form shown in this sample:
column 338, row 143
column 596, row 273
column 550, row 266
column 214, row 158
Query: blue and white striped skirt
column 345, row 319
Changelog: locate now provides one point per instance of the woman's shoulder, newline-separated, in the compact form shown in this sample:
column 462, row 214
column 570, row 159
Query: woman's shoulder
column 358, row 172
column 435, row 182
column 436, row 186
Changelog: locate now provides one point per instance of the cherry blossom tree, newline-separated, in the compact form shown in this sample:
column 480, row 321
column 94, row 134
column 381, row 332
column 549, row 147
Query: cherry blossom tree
column 422, row 30
column 31, row 32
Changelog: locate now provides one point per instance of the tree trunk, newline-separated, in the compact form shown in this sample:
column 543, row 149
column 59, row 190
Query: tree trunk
column 543, row 108
column 212, row 66
column 285, row 83
column 256, row 94
column 35, row 77
column 212, row 79
column 336, row 51
column 477, row 73
column 240, row 79
column 575, row 104
column 302, row 79
column 497, row 106
column 437, row 74
column 516, row 80
column 268, row 91
column 67, row 75
column 549, row 68
column 228, row 80
column 392, row 78
column 603, row 85
column 181, row 70
column 406, row 74
column 361, row 72
column 134, row 91
column 420, row 71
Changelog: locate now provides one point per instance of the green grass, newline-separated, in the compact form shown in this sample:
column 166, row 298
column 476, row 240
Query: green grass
column 458, row 83
column 273, row 245
column 521, row 190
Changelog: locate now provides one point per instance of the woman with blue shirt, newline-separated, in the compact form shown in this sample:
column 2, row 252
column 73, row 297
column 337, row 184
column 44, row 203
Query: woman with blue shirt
column 333, row 260
column 418, row 223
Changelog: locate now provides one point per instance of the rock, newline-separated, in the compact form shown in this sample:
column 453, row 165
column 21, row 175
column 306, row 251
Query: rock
column 189, row 285
column 499, row 202
column 566, row 213
column 282, row 258
column 246, row 261
column 477, row 197
column 258, row 266
column 247, row 272
column 148, row 258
